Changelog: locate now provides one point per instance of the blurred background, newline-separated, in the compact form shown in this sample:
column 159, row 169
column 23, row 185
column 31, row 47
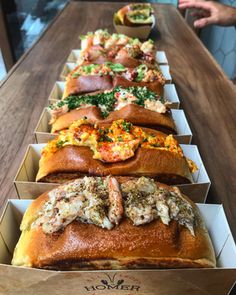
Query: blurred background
column 21, row 24
column 23, row 21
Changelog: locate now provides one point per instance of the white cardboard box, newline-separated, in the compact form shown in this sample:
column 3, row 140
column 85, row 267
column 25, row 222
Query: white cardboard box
column 69, row 66
column 170, row 94
column 27, row 188
column 75, row 54
column 27, row 281
column 184, row 134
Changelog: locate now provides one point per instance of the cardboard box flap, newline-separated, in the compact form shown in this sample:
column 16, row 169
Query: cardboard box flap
column 43, row 123
column 29, row 166
column 191, row 152
column 227, row 255
column 222, row 233
column 165, row 69
column 5, row 255
column 30, row 282
column 161, row 57
column 181, row 123
column 27, row 281
column 9, row 227
column 221, row 236
column 74, row 55
column 68, row 67
column 171, row 95
column 57, row 91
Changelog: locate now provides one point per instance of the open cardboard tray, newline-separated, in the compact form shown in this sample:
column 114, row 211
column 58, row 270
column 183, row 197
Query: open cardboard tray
column 160, row 57
column 141, row 32
column 184, row 134
column 170, row 94
column 27, row 188
column 27, row 281
column 69, row 66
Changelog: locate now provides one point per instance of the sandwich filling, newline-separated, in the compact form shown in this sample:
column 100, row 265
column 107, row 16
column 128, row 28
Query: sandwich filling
column 142, row 73
column 115, row 143
column 103, row 202
column 111, row 42
column 111, row 100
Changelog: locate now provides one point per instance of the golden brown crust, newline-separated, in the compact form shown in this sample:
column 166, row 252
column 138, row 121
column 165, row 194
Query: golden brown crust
column 92, row 83
column 133, row 113
column 86, row 246
column 162, row 165
column 87, row 84
column 140, row 116
column 92, row 113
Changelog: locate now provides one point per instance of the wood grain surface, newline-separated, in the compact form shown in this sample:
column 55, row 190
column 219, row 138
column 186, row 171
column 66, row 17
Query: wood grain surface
column 207, row 96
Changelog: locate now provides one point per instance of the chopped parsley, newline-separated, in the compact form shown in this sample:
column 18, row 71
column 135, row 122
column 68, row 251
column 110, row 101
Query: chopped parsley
column 87, row 69
column 116, row 67
column 105, row 138
column 141, row 70
column 127, row 126
column 139, row 16
column 75, row 75
column 106, row 100
column 60, row 143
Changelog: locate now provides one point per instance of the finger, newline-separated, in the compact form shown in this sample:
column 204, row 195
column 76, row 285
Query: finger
column 190, row 1
column 203, row 22
column 202, row 5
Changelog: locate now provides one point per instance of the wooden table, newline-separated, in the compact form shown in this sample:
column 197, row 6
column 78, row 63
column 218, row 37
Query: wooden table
column 207, row 96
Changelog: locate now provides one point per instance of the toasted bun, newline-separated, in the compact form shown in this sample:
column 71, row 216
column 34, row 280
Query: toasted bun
column 87, row 84
column 133, row 113
column 76, row 161
column 87, row 246
column 92, row 83
column 127, row 61
column 92, row 113
column 140, row 116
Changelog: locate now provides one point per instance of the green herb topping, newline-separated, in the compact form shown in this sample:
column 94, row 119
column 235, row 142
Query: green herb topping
column 126, row 126
column 106, row 100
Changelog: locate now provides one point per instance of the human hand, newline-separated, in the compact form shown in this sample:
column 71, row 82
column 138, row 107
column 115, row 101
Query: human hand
column 210, row 13
column 189, row 1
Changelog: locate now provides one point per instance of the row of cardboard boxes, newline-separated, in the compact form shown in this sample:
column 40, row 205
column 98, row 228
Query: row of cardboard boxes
column 198, row 281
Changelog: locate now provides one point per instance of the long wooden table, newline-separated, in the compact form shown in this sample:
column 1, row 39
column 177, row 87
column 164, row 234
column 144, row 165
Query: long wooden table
column 207, row 96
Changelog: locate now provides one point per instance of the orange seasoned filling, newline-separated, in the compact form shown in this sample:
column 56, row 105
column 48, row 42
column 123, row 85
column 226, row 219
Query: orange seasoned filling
column 117, row 142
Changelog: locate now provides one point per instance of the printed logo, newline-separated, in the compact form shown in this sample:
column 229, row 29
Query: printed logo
column 112, row 282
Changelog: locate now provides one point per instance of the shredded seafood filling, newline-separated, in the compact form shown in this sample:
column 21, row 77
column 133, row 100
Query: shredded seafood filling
column 117, row 143
column 103, row 202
